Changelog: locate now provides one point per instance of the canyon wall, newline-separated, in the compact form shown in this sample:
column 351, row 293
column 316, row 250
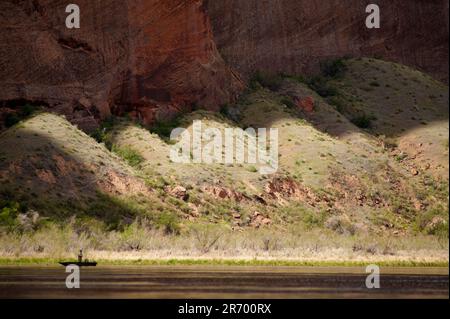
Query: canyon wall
column 293, row 36
column 149, row 58
column 152, row 59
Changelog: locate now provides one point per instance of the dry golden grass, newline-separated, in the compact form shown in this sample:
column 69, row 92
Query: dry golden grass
column 216, row 242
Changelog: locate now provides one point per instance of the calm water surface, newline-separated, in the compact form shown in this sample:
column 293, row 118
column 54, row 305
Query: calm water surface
column 222, row 282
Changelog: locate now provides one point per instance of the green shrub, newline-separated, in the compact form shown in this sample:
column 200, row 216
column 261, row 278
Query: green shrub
column 164, row 128
column 114, row 211
column 363, row 121
column 136, row 235
column 157, row 183
column 23, row 112
column 313, row 220
column 297, row 78
column 333, row 68
column 131, row 156
column 252, row 169
column 341, row 225
column 169, row 222
column 101, row 134
column 206, row 237
column 321, row 85
column 231, row 113
column 271, row 82
column 224, row 110
column 329, row 69
column 27, row 110
column 433, row 222
column 440, row 230
column 11, row 119
column 288, row 102
column 338, row 103
column 9, row 211
column 401, row 157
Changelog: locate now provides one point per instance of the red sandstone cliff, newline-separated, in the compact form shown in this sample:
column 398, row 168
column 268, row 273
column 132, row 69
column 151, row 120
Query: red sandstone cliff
column 147, row 57
column 294, row 35
column 154, row 58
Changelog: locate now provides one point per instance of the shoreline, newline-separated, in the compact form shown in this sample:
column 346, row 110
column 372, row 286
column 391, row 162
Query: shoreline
column 28, row 261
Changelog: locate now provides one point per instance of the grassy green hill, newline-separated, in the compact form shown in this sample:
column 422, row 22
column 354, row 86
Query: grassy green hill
column 366, row 168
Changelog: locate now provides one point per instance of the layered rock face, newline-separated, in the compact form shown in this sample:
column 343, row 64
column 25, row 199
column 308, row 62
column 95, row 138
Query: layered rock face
column 147, row 57
column 155, row 58
column 294, row 35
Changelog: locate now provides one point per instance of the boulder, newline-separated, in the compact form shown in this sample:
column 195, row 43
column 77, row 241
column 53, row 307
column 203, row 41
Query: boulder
column 179, row 192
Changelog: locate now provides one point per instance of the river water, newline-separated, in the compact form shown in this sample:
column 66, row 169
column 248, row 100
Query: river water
column 222, row 282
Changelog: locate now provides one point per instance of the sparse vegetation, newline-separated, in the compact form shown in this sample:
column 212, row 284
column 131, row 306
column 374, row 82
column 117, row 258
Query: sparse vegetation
column 206, row 237
column 434, row 222
column 146, row 244
column 252, row 169
column 266, row 80
column 333, row 68
column 169, row 222
column 341, row 192
column 11, row 119
column 288, row 102
column 282, row 261
column 131, row 156
column 298, row 78
column 338, row 102
column 322, row 86
column 401, row 157
column 165, row 128
column 24, row 111
column 9, row 211
column 101, row 133
column 313, row 219
column 363, row 121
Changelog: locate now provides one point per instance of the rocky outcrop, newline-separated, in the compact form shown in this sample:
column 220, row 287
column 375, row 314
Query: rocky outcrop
column 147, row 57
column 178, row 192
column 221, row 192
column 281, row 189
column 293, row 36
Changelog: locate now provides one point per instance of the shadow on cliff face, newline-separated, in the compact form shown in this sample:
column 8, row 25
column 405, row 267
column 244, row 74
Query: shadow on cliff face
column 294, row 36
column 49, row 166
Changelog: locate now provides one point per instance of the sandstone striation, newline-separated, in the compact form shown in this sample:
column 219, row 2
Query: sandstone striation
column 293, row 36
column 153, row 59
column 149, row 58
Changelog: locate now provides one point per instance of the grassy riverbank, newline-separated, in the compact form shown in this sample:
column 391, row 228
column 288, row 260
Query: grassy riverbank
column 230, row 262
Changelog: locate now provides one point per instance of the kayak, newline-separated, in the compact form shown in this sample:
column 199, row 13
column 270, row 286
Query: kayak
column 79, row 264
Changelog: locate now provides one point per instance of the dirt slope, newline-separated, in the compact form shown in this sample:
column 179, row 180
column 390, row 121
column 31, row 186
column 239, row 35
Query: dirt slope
column 409, row 110
column 345, row 176
column 54, row 168
column 344, row 160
